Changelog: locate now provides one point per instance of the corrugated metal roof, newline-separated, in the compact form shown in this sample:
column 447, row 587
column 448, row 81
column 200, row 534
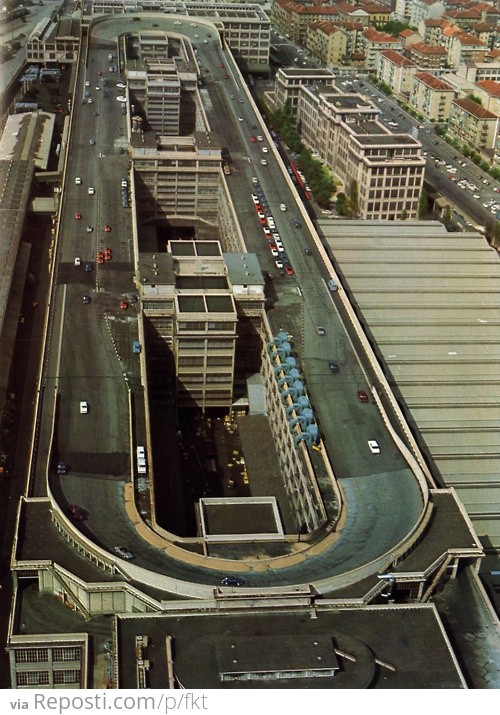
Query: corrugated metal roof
column 431, row 301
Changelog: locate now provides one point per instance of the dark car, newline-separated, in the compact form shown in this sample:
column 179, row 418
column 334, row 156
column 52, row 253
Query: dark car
column 362, row 396
column 232, row 581
column 62, row 468
column 75, row 512
column 308, row 251
column 297, row 224
column 332, row 364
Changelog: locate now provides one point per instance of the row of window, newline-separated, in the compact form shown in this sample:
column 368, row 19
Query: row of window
column 41, row 677
column 41, row 655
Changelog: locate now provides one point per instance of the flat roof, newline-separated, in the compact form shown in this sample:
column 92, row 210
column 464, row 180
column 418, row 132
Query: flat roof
column 431, row 301
column 243, row 268
column 376, row 647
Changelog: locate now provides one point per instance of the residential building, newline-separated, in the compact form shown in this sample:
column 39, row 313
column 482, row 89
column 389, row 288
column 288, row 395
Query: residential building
column 373, row 42
column 464, row 48
column 472, row 124
column 489, row 92
column 388, row 169
column 397, row 71
column 428, row 56
column 489, row 68
column 431, row 29
column 327, row 42
column 292, row 19
column 431, row 96
column 409, row 37
column 425, row 9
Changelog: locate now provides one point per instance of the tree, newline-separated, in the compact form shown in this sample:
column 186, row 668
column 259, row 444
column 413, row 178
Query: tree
column 423, row 203
column 353, row 198
column 342, row 207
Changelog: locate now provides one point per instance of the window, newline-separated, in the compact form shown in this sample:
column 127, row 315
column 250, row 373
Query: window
column 33, row 655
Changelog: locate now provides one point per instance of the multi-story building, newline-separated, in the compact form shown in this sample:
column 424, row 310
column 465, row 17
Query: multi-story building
column 190, row 311
column 373, row 14
column 292, row 19
column 488, row 92
column 425, row 9
column 397, row 71
column 465, row 48
column 244, row 26
column 431, row 96
column 428, row 56
column 387, row 169
column 327, row 42
column 489, row 68
column 409, row 37
column 288, row 82
column 180, row 179
column 472, row 124
column 373, row 42
column 54, row 43
column 431, row 29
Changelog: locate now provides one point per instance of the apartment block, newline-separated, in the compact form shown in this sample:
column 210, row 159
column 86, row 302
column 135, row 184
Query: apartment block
column 373, row 42
column 465, row 48
column 431, row 96
column 397, row 71
column 292, row 19
column 425, row 9
column 472, row 124
column 431, row 30
column 327, row 42
column 428, row 56
column 178, row 179
column 409, row 37
column 488, row 92
column 53, row 661
column 388, row 169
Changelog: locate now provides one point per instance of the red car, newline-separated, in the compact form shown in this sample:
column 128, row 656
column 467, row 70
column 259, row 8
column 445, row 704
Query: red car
column 107, row 254
column 226, row 76
column 78, row 215
column 362, row 396
column 253, row 139
column 289, row 270
column 107, row 228
column 221, row 65
column 124, row 305
column 100, row 258
column 99, row 72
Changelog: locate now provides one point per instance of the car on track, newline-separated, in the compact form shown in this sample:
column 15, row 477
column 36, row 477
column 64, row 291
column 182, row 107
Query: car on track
column 232, row 581
column 124, row 552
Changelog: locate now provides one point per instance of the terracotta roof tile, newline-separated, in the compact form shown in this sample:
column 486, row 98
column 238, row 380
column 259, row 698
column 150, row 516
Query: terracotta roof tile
column 474, row 108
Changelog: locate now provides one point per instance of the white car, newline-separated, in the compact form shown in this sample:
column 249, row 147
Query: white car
column 265, row 150
column 124, row 552
column 78, row 261
column 78, row 180
column 91, row 190
column 121, row 99
column 260, row 139
column 373, row 445
column 263, row 162
column 283, row 207
column 84, row 407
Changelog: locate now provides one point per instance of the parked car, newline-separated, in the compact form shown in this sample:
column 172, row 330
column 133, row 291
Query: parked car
column 373, row 445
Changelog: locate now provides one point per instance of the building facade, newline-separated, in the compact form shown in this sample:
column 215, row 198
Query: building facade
column 387, row 169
